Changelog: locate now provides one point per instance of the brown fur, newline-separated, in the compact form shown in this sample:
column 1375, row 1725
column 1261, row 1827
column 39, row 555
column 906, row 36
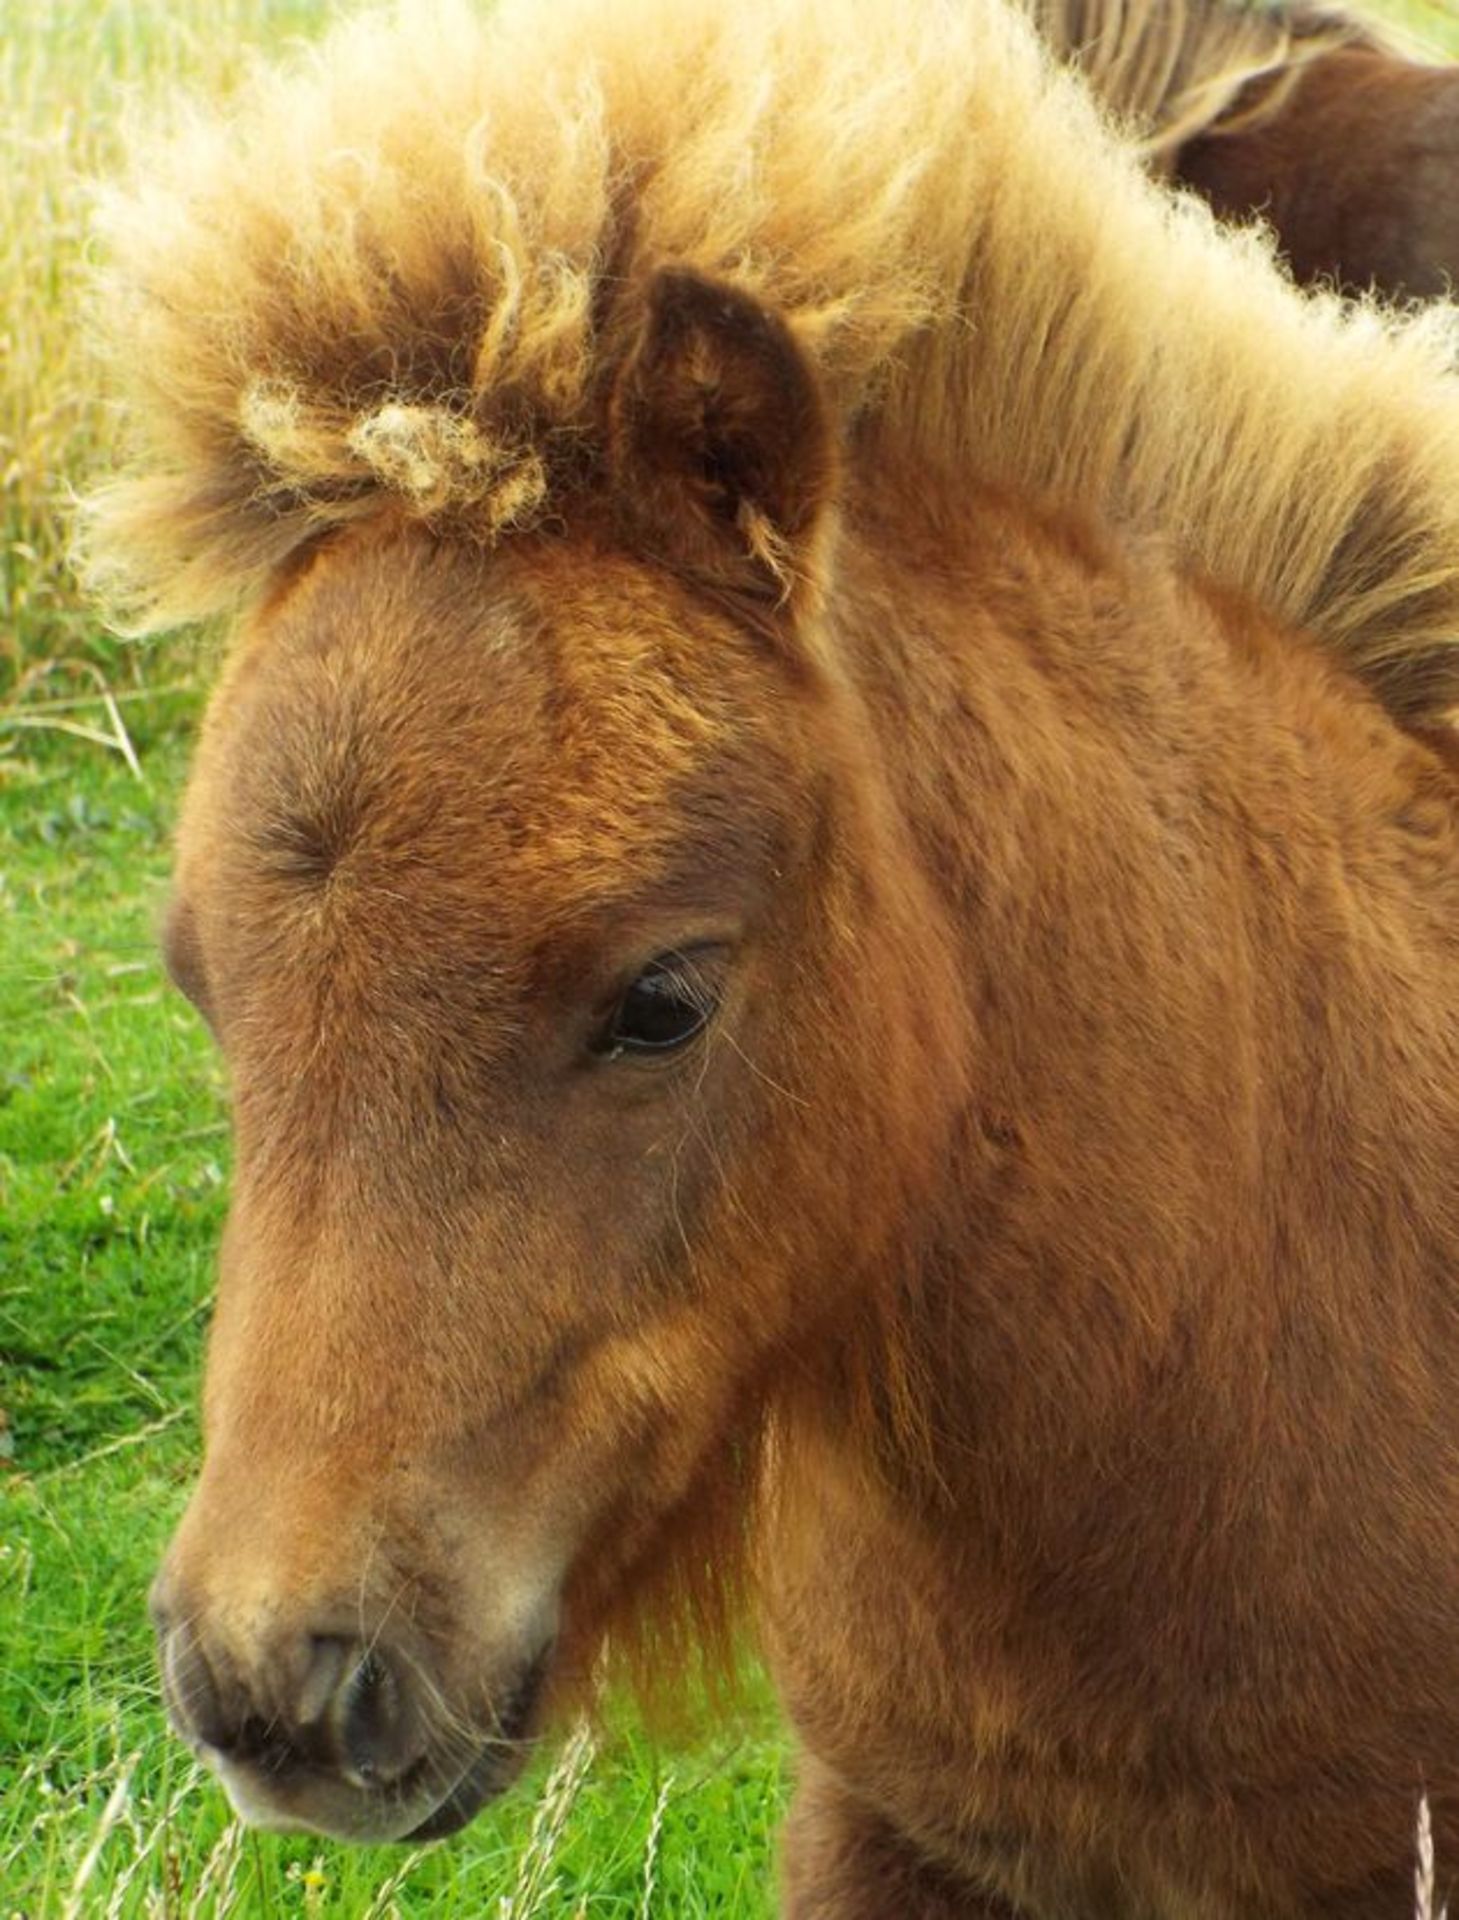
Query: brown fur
column 1037, row 1281
column 1358, row 175
column 1311, row 119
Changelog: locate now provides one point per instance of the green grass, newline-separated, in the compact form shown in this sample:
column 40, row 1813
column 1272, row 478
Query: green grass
column 113, row 1164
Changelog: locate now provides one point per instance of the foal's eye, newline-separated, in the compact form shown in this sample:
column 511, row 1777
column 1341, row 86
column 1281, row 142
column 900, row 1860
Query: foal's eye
column 667, row 1005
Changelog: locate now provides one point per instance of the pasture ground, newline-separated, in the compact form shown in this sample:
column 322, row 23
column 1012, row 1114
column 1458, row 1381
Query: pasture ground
column 113, row 1170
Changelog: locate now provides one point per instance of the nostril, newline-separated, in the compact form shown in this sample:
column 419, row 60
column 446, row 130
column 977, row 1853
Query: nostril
column 373, row 1724
column 320, row 1702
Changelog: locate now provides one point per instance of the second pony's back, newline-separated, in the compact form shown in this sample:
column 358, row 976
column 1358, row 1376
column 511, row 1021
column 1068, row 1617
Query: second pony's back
column 1309, row 117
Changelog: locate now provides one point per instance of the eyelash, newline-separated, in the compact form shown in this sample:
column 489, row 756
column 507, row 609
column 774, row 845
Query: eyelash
column 667, row 1006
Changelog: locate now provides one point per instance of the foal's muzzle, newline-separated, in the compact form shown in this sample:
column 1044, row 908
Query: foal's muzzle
column 324, row 1731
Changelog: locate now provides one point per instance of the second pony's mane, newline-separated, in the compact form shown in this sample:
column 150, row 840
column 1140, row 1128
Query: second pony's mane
column 401, row 273
column 1172, row 69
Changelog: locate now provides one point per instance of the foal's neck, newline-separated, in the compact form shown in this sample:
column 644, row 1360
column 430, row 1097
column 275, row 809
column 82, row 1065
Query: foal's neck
column 1139, row 807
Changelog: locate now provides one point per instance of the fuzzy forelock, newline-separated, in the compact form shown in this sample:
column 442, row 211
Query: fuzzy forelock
column 389, row 275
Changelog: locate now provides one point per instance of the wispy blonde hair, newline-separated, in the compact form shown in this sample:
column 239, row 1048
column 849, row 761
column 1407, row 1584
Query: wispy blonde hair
column 392, row 274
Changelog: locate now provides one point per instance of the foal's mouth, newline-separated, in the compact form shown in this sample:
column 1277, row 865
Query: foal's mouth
column 496, row 1765
column 287, row 1785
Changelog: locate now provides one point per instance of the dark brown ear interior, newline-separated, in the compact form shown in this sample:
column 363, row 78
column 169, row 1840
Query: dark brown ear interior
column 720, row 441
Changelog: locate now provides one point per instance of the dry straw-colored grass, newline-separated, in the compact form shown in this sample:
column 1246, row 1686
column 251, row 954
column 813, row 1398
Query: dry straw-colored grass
column 1426, row 1902
column 70, row 73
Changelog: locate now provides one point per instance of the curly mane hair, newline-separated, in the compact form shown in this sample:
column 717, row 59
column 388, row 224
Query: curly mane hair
column 398, row 274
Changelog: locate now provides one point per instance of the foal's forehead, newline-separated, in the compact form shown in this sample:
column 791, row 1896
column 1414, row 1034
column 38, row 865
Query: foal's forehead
column 409, row 704
column 445, row 641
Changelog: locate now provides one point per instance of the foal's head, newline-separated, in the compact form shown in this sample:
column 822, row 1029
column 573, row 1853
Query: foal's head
column 543, row 905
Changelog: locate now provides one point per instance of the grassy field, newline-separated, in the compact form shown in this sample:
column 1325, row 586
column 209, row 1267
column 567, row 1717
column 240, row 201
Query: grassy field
column 113, row 1171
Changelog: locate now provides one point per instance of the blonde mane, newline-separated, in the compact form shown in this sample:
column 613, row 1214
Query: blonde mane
column 399, row 272
column 1172, row 69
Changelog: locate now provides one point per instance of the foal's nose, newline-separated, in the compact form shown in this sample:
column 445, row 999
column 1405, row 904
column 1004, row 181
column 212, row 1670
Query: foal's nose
column 325, row 1701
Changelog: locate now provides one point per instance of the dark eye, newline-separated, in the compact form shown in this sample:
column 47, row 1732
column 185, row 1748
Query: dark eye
column 669, row 1002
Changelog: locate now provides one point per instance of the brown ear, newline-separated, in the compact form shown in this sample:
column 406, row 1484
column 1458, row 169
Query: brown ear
column 721, row 444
